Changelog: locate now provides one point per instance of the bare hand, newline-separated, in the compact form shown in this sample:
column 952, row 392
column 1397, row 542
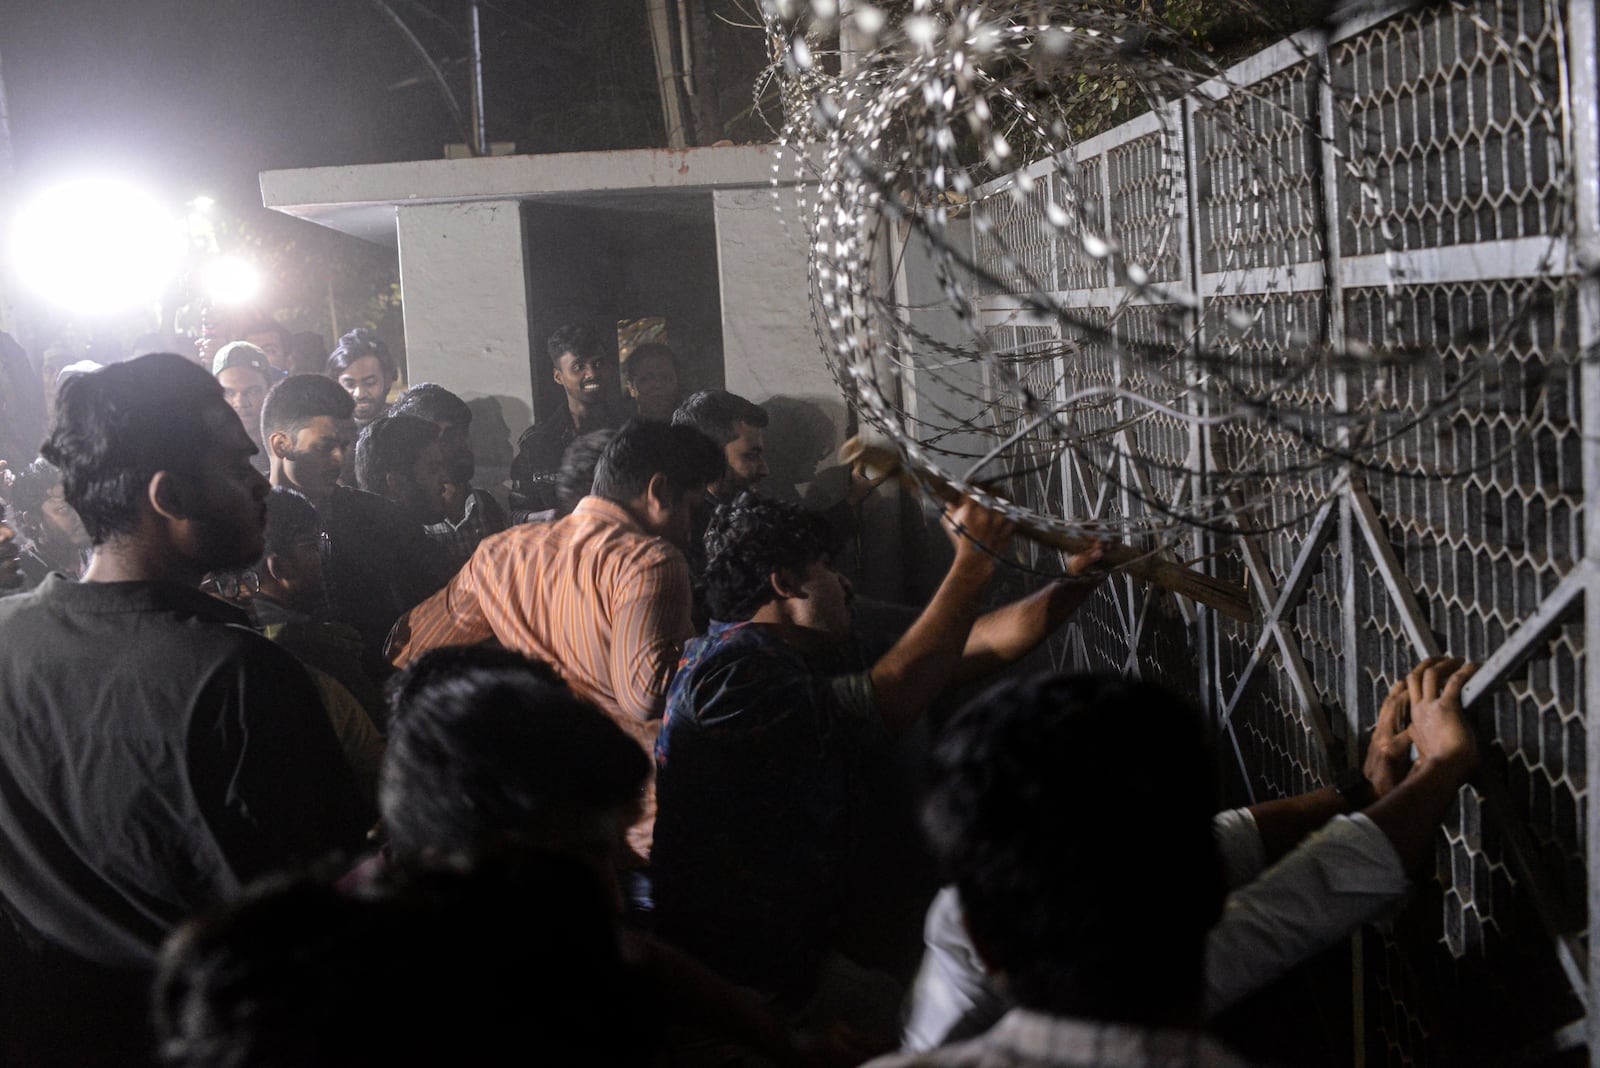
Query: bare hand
column 1080, row 564
column 1441, row 735
column 1389, row 751
column 976, row 532
column 862, row 484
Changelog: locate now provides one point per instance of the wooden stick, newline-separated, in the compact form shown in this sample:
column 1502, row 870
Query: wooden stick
column 873, row 461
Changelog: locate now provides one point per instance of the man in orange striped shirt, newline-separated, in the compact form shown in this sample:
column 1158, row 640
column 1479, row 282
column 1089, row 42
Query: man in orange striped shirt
column 602, row 595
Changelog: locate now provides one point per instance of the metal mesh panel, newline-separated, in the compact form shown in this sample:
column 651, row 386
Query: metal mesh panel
column 1450, row 120
column 1080, row 194
column 1460, row 528
column 1144, row 210
column 1016, row 244
column 1031, row 466
column 1259, row 201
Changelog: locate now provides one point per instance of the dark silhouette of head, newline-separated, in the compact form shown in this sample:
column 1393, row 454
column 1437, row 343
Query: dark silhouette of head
column 430, row 401
column 484, row 743
column 398, row 457
column 513, row 950
column 575, row 477
column 1073, row 814
column 651, row 376
column 640, row 450
column 290, row 570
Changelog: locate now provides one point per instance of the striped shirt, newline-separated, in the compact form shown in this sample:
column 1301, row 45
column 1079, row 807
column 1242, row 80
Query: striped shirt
column 601, row 601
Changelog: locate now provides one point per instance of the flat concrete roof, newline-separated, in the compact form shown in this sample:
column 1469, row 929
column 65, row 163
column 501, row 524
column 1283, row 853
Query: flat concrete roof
column 361, row 200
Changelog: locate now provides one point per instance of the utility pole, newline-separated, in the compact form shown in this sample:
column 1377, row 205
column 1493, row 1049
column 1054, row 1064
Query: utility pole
column 480, row 126
column 669, row 77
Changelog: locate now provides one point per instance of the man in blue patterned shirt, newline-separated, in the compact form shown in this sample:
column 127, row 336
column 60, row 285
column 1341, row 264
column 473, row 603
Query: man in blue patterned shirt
column 761, row 762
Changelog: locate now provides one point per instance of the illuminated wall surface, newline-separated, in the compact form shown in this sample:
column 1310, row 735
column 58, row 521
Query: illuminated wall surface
column 1432, row 194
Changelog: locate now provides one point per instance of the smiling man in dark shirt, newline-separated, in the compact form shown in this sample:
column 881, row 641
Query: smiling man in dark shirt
column 155, row 752
column 586, row 373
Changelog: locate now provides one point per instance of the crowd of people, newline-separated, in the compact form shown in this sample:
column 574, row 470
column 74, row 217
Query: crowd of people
column 312, row 752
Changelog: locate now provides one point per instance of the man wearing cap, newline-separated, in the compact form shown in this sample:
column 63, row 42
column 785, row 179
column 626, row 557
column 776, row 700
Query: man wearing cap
column 245, row 375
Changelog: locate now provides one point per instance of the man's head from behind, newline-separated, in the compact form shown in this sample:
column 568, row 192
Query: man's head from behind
column 275, row 341
column 575, row 476
column 739, row 427
column 1073, row 814
column 364, row 368
column 658, row 472
column 447, row 964
column 398, row 457
column 760, row 551
column 486, row 743
column 307, row 426
column 430, row 401
column 148, row 450
column 290, row 570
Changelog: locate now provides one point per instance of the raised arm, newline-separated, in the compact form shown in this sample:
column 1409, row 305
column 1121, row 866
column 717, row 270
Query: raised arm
column 923, row 662
column 1009, row 633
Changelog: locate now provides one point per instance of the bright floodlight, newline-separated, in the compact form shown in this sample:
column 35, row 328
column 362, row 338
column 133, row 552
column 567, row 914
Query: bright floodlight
column 231, row 280
column 97, row 246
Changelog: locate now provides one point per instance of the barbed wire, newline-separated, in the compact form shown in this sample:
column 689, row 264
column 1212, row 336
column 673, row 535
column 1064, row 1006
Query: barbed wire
column 1070, row 340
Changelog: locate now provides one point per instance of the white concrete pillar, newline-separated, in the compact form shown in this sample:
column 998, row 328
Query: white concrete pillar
column 768, row 346
column 466, row 302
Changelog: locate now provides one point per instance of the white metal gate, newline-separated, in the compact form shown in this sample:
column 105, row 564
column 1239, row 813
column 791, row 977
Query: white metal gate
column 1475, row 128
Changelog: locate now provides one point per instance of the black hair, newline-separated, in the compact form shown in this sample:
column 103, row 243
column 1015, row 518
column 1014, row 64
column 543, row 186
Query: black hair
column 641, row 449
column 747, row 542
column 575, row 338
column 33, row 485
column 1073, row 815
column 484, row 742
column 357, row 344
column 115, row 428
column 272, row 326
column 575, row 476
column 452, row 963
column 650, row 350
column 293, row 403
column 431, row 401
column 290, row 515
column 716, row 413
column 390, row 445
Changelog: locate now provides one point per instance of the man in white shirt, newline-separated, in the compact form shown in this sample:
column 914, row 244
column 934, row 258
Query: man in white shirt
column 1341, row 876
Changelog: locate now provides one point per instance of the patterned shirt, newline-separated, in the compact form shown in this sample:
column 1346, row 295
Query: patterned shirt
column 760, row 767
column 604, row 603
column 1025, row 1039
column 483, row 516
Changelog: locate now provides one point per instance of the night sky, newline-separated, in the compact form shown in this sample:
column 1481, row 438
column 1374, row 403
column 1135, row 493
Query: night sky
column 197, row 96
